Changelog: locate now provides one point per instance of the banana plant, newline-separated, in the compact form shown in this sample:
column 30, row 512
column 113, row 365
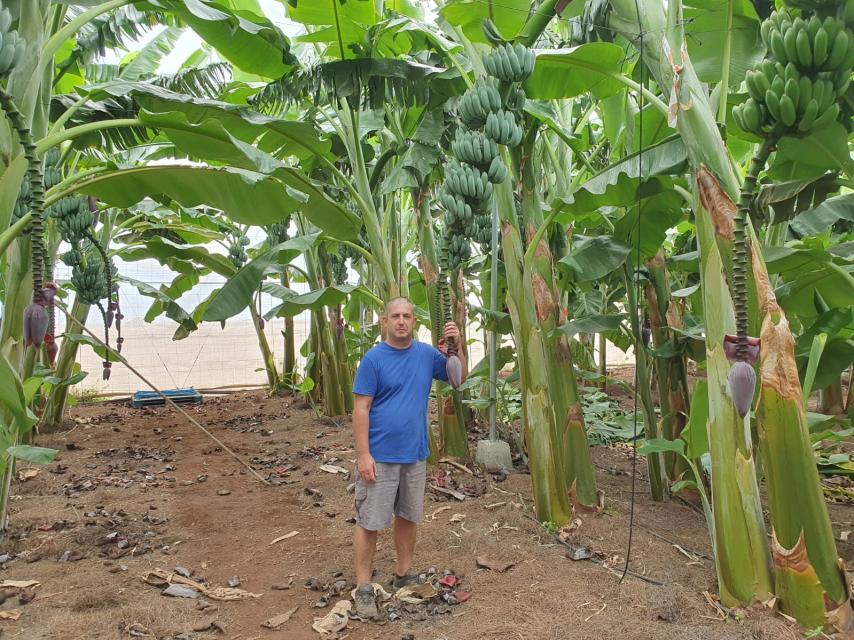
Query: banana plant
column 727, row 243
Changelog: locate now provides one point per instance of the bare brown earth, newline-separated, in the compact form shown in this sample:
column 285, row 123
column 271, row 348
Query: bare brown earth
column 140, row 489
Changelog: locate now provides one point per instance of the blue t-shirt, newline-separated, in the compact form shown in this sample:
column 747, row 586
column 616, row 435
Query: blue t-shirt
column 399, row 382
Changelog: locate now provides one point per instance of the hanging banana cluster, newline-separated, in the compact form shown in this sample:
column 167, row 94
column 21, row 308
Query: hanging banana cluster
column 489, row 120
column 339, row 268
column 93, row 274
column 796, row 89
column 237, row 243
column 12, row 45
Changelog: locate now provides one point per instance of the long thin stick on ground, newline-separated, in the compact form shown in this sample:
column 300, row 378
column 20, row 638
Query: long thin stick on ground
column 168, row 400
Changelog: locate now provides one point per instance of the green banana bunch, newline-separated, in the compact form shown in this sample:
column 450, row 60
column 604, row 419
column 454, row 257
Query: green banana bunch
column 73, row 257
column 67, row 206
column 472, row 147
column 497, row 171
column 468, row 182
column 811, row 45
column 510, row 63
column 52, row 176
column 477, row 103
column 52, row 157
column 76, row 223
column 502, row 128
column 90, row 280
column 457, row 248
column 22, row 204
column 784, row 100
column 12, row 45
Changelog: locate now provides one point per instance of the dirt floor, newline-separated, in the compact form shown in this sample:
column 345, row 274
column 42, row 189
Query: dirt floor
column 135, row 490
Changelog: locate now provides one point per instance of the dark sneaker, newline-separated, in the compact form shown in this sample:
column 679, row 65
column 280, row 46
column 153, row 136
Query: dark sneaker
column 366, row 603
column 408, row 580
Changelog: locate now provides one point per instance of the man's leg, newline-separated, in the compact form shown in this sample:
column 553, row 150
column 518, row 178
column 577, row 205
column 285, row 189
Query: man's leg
column 404, row 543
column 408, row 511
column 364, row 546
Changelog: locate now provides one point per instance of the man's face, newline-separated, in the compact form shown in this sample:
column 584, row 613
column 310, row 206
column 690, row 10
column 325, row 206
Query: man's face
column 400, row 320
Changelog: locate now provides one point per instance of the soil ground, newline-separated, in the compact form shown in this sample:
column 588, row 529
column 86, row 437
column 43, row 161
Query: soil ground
column 134, row 490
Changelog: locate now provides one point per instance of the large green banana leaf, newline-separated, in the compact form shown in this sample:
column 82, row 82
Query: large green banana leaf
column 296, row 303
column 280, row 137
column 566, row 73
column 509, row 16
column 617, row 185
column 179, row 258
column 173, row 310
column 342, row 24
column 244, row 196
column 237, row 293
column 595, row 258
column 10, row 185
column 710, row 27
column 246, row 39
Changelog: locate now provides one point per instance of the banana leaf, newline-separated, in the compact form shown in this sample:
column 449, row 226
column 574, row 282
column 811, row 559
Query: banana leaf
column 238, row 292
column 311, row 301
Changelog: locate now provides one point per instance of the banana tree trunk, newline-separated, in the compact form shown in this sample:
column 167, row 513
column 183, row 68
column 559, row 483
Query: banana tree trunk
column 289, row 360
column 655, row 461
column 671, row 371
column 808, row 577
column 558, row 453
column 741, row 553
column 451, row 428
column 266, row 353
column 57, row 402
column 831, row 399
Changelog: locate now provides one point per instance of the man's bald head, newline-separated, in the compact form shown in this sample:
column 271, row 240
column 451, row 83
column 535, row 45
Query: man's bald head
column 395, row 302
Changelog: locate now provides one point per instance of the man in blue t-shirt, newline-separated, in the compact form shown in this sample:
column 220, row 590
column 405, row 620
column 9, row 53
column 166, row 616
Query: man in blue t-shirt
column 392, row 387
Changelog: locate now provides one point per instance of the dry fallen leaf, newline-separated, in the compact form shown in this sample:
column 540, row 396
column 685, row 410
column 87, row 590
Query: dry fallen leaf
column 493, row 565
column 285, row 537
column 13, row 614
column 333, row 468
column 28, row 474
column 335, row 620
column 277, row 621
column 20, row 584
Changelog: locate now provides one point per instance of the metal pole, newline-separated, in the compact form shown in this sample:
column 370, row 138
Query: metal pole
column 493, row 335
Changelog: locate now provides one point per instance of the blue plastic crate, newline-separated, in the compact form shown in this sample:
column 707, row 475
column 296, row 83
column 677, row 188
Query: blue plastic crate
column 178, row 396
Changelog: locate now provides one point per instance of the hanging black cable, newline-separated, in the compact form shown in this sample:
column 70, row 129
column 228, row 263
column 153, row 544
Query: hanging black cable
column 639, row 351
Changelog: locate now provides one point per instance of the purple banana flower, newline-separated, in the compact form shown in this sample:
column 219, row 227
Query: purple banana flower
column 35, row 324
column 742, row 385
column 454, row 368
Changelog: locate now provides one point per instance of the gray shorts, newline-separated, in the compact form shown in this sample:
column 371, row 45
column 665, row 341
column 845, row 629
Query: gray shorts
column 398, row 490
